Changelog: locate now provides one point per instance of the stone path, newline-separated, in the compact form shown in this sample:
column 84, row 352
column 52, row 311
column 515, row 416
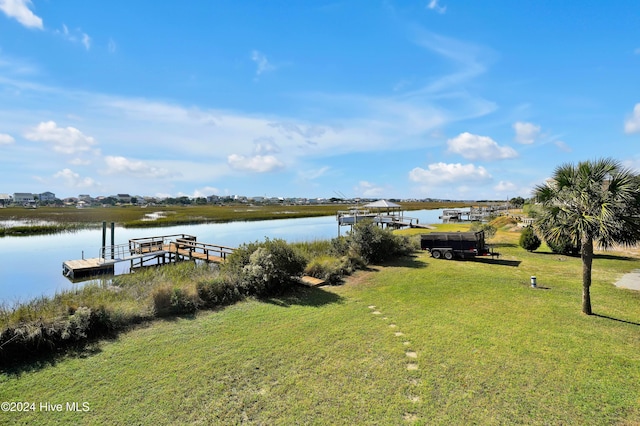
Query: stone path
column 412, row 364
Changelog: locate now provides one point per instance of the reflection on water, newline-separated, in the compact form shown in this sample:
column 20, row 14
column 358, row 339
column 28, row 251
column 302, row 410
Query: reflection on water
column 13, row 223
column 32, row 266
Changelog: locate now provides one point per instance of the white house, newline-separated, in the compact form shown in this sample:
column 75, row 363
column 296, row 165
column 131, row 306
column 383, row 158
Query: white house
column 5, row 199
column 23, row 197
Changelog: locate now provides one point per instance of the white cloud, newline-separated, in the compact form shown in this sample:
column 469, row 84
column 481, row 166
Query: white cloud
column 77, row 36
column 111, row 46
column 262, row 62
column 202, row 192
column 67, row 140
column 6, row 139
column 474, row 147
column 526, row 133
column 562, row 146
column 368, row 189
column 433, row 5
column 86, row 41
column 632, row 125
column 311, row 174
column 80, row 162
column 121, row 165
column 21, row 11
column 255, row 164
column 265, row 146
column 442, row 173
column 469, row 61
column 74, row 180
column 505, row 186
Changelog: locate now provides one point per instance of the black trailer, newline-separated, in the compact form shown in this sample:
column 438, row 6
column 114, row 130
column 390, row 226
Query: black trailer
column 455, row 244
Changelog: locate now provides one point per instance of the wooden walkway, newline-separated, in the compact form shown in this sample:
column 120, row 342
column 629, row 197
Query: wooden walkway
column 140, row 252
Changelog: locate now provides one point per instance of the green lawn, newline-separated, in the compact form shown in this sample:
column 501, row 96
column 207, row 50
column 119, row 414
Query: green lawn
column 420, row 341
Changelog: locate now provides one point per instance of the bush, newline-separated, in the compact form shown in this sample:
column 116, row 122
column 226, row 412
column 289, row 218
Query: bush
column 529, row 240
column 328, row 268
column 219, row 291
column 264, row 268
column 169, row 300
column 489, row 229
column 564, row 245
column 374, row 244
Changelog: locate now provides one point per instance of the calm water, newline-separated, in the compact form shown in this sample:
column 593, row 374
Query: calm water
column 32, row 266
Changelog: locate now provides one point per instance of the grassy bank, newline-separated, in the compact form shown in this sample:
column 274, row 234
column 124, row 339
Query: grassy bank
column 417, row 341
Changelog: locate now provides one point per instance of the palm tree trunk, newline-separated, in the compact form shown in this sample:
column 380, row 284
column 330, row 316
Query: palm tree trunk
column 587, row 261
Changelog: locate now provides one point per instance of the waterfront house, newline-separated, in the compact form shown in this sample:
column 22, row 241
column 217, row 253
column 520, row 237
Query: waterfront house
column 23, row 198
column 47, row 196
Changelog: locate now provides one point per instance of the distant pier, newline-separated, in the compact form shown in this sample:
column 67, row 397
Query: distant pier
column 382, row 212
column 148, row 251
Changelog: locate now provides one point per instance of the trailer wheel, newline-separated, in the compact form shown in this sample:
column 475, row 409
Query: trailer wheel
column 448, row 255
column 436, row 254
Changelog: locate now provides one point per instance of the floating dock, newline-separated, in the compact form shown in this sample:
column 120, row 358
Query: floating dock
column 149, row 251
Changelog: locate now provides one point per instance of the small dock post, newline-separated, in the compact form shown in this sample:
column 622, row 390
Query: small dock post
column 113, row 240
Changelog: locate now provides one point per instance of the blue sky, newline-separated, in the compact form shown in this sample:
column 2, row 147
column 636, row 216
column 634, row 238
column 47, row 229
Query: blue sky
column 395, row 99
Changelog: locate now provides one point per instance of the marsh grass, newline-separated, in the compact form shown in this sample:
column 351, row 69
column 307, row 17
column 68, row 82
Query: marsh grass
column 70, row 218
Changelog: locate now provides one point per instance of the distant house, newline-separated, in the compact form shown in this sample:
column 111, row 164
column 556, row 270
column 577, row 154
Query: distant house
column 47, row 196
column 5, row 199
column 85, row 197
column 23, row 198
column 124, row 198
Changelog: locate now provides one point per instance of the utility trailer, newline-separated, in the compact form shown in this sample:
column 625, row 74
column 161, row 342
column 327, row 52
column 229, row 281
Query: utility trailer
column 459, row 245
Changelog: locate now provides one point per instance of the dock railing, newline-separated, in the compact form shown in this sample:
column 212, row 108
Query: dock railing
column 204, row 251
column 117, row 252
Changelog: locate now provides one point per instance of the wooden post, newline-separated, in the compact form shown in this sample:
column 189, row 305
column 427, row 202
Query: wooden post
column 113, row 239
column 104, row 238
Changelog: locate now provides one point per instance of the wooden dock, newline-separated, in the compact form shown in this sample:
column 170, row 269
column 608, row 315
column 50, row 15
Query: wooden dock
column 149, row 251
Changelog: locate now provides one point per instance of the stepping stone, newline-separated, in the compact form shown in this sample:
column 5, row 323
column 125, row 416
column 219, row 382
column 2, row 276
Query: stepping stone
column 372, row 306
column 406, row 343
column 376, row 313
column 392, row 325
column 398, row 333
column 412, row 366
column 412, row 354
column 410, row 417
column 414, row 399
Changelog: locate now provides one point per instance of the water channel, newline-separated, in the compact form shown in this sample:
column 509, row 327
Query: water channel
column 32, row 266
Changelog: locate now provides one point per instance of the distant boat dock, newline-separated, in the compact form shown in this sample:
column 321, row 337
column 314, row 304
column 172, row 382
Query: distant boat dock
column 148, row 251
column 383, row 213
column 474, row 214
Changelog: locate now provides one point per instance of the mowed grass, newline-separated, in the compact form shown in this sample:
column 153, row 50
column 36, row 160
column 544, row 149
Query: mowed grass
column 419, row 341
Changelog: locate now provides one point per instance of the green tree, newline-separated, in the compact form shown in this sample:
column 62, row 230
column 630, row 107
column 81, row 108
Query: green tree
column 592, row 202
column 517, row 202
column 529, row 240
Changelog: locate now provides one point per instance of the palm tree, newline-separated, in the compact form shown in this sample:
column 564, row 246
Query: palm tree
column 591, row 202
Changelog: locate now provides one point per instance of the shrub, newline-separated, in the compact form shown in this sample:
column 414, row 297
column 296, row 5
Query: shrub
column 328, row 268
column 218, row 291
column 489, row 229
column 168, row 300
column 374, row 244
column 264, row 268
column 564, row 245
column 529, row 240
